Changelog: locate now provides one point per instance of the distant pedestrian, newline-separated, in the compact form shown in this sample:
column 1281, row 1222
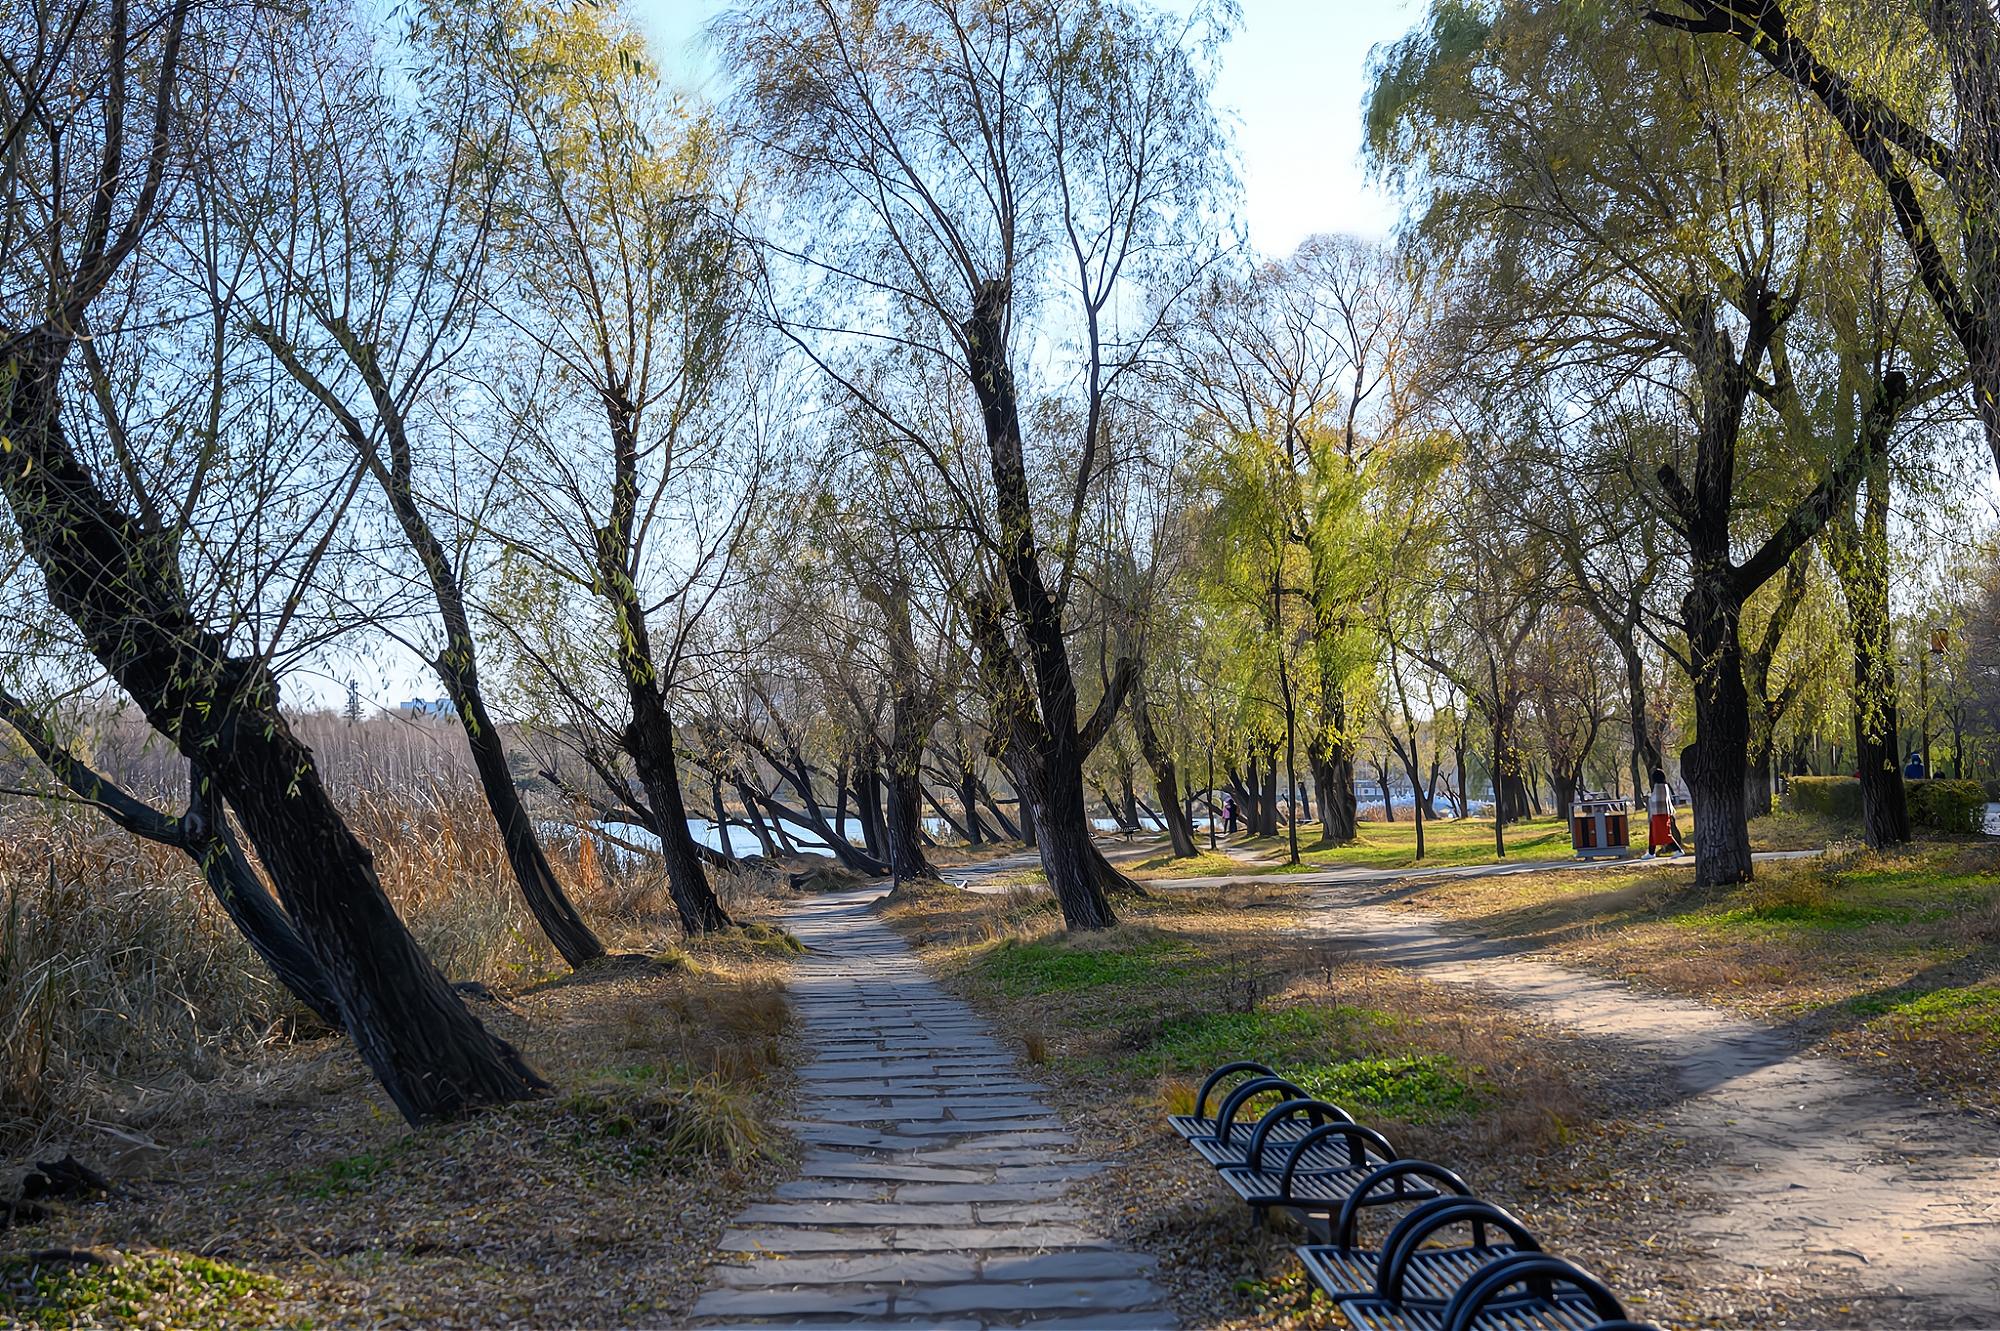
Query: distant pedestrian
column 1914, row 769
column 1229, row 815
column 1660, row 833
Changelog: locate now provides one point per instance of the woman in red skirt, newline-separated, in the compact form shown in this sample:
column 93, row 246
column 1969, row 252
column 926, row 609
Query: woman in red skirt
column 1660, row 826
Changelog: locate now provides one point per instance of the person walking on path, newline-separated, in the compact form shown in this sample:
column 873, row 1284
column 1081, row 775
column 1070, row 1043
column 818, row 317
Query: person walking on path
column 1660, row 832
column 1229, row 815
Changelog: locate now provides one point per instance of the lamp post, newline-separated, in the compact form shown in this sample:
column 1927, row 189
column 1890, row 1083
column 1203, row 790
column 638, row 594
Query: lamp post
column 1936, row 642
column 1210, row 797
column 1940, row 639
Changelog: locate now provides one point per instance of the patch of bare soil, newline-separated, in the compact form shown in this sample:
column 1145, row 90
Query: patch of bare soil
column 296, row 1195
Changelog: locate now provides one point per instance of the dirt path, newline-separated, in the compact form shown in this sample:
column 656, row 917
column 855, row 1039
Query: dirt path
column 1827, row 1171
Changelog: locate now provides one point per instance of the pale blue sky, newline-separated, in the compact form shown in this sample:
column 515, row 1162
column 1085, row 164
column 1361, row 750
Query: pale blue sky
column 1293, row 77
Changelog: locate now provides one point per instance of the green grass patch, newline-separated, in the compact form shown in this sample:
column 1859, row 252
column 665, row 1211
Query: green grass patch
column 161, row 1289
column 1454, row 842
column 351, row 1173
column 1416, row 1088
column 1063, row 965
column 1832, row 916
column 1196, row 1044
column 1974, row 1009
column 770, row 938
column 1323, row 1049
column 1204, row 864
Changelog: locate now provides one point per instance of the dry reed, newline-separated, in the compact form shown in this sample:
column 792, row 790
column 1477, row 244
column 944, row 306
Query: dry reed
column 124, row 989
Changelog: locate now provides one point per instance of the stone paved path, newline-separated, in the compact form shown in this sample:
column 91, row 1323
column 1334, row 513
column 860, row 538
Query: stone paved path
column 932, row 1189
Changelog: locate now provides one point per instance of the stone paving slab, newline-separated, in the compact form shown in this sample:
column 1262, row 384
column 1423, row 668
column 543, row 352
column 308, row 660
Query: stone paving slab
column 932, row 1191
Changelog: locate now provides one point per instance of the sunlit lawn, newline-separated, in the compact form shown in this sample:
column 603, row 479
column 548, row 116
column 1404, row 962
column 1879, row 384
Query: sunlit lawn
column 1394, row 845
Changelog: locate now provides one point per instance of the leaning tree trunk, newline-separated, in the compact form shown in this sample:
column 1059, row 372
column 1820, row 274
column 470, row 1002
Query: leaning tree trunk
column 457, row 666
column 535, row 876
column 754, row 818
column 1180, row 828
column 649, row 742
column 1055, row 762
column 648, row 739
column 117, row 580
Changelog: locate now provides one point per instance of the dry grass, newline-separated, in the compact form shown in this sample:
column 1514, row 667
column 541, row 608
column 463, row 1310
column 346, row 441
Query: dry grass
column 1891, row 957
column 125, row 992
column 1553, row 1125
column 309, row 1201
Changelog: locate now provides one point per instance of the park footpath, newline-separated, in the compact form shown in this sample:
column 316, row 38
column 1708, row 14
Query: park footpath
column 932, row 1186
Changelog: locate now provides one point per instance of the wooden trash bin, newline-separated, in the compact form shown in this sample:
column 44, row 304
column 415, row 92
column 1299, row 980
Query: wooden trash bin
column 1600, row 829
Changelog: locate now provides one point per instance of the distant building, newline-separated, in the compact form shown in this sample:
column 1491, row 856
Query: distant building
column 424, row 707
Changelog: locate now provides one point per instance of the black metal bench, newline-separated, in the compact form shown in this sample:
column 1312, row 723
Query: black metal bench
column 1314, row 1175
column 1309, row 1157
column 1555, row 1296
column 1200, row 1123
column 1287, row 1122
column 1406, row 1271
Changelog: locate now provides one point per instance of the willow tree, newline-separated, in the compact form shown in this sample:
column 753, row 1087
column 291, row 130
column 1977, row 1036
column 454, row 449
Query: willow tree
column 1913, row 86
column 369, row 236
column 1313, row 353
column 614, row 231
column 1292, row 535
column 99, row 111
column 1010, row 197
column 1617, row 214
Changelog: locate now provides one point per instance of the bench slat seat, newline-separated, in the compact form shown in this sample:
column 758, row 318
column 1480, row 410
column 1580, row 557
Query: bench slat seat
column 1236, row 1150
column 1433, row 1274
column 1563, row 1313
column 1201, row 1123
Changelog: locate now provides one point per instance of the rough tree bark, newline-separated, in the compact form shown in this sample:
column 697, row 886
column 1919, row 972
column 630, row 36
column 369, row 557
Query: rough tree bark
column 1332, row 767
column 117, row 579
column 1716, row 765
column 1043, row 723
column 1166, row 776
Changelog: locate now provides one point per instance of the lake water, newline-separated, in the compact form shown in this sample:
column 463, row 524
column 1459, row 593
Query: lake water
column 743, row 842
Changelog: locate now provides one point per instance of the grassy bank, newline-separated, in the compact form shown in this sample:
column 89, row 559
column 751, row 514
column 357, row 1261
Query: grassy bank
column 1121, row 1024
column 261, row 1177
column 1893, row 957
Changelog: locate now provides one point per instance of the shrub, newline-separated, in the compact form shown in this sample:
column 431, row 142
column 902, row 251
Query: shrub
column 1957, row 807
column 1826, row 796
